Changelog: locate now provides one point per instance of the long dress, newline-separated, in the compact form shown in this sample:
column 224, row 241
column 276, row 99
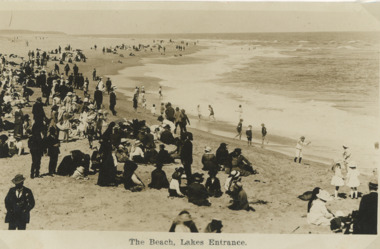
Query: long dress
column 107, row 172
column 18, row 130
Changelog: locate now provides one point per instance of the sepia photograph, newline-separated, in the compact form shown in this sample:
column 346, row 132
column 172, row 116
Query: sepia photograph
column 126, row 119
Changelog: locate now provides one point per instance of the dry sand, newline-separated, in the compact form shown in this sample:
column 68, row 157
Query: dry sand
column 63, row 203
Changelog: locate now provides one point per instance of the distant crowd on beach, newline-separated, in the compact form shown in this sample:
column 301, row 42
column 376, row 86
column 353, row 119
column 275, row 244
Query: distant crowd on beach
column 76, row 113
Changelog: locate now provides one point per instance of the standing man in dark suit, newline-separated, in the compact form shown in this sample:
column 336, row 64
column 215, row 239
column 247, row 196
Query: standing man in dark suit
column 187, row 156
column 18, row 202
column 113, row 100
column 367, row 218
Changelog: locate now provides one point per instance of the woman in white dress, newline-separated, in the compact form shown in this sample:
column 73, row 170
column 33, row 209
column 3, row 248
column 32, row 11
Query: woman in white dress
column 337, row 179
column 353, row 179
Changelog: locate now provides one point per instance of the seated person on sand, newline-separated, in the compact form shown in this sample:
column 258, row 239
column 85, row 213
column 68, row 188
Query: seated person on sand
column 183, row 223
column 213, row 184
column 175, row 183
column 15, row 146
column 209, row 160
column 240, row 163
column 4, row 149
column 223, row 157
column 79, row 174
column 163, row 122
column 215, row 226
column 239, row 198
column 148, row 140
column 137, row 153
column 366, row 222
column 164, row 156
column 70, row 163
column 317, row 213
column 159, row 179
column 131, row 181
column 121, row 154
column 196, row 192
column 230, row 181
column 167, row 136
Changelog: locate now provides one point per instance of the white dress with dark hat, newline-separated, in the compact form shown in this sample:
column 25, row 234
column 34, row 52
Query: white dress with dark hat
column 337, row 179
column 353, row 178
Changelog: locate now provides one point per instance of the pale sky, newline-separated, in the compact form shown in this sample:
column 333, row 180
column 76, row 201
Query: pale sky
column 189, row 17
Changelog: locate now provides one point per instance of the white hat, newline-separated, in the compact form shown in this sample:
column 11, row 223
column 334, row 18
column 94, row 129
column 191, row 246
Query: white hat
column 324, row 195
column 207, row 149
column 352, row 164
column 69, row 93
column 235, row 173
column 85, row 100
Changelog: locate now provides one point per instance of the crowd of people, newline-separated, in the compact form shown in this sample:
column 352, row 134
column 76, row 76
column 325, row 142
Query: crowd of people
column 127, row 142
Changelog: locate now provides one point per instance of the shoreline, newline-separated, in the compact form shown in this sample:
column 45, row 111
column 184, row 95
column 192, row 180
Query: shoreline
column 82, row 205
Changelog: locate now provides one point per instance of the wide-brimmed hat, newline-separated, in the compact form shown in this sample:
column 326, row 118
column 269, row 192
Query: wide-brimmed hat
column 18, row 179
column 198, row 177
column 184, row 217
column 352, row 164
column 302, row 137
column 345, row 146
column 69, row 93
column 80, row 169
column 324, row 195
column 373, row 183
column 238, row 150
column 235, row 173
column 207, row 149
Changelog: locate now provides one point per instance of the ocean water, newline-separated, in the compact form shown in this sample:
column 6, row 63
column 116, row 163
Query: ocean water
column 324, row 86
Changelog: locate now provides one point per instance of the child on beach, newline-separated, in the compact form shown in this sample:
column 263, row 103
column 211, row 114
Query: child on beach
column 300, row 144
column 153, row 109
column 346, row 156
column 337, row 179
column 263, row 134
column 239, row 129
column 240, row 111
column 353, row 180
column 162, row 109
column 211, row 113
column 160, row 92
column 249, row 135
column 144, row 104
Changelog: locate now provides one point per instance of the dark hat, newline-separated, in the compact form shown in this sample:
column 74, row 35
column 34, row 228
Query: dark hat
column 223, row 144
column 373, row 183
column 18, row 179
column 238, row 150
column 162, row 146
column 198, row 177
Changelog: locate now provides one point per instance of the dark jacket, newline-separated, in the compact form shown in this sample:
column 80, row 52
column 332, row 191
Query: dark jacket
column 209, row 162
column 222, row 156
column 38, row 111
column 170, row 113
column 197, row 194
column 167, row 137
column 367, row 217
column 159, row 179
column 18, row 209
column 49, row 143
column 98, row 96
column 213, row 188
column 112, row 98
column 187, row 152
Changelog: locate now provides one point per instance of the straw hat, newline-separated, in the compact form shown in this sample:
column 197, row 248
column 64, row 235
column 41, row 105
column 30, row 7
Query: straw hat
column 18, row 179
column 352, row 164
column 207, row 149
column 235, row 173
column 324, row 195
column 69, row 93
column 80, row 169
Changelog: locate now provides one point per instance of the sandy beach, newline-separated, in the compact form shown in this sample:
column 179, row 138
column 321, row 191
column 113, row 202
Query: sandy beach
column 63, row 203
